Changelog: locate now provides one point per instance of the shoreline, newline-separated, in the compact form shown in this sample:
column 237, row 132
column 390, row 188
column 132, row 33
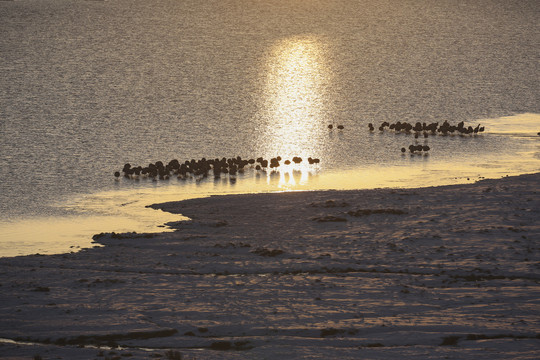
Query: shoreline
column 383, row 273
column 125, row 210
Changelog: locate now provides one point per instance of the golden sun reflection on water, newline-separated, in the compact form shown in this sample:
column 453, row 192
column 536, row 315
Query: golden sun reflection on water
column 293, row 109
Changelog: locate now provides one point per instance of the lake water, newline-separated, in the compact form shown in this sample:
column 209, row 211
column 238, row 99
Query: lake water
column 86, row 86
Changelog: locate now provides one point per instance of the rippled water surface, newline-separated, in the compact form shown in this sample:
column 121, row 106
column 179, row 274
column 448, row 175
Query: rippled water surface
column 87, row 86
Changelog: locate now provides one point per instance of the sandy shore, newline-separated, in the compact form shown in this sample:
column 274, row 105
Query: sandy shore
column 393, row 273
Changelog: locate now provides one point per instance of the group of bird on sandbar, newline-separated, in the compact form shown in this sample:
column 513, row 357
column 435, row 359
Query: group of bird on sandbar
column 200, row 169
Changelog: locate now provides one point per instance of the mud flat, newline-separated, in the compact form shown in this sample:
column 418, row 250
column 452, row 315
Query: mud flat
column 434, row 272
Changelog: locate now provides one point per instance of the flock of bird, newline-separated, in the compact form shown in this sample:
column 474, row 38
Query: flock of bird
column 416, row 148
column 433, row 128
column 427, row 129
column 202, row 168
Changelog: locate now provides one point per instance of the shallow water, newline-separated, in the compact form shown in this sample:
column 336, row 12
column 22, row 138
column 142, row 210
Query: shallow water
column 87, row 86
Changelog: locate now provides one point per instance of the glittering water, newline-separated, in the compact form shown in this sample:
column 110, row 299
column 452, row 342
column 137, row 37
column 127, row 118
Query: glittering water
column 86, row 86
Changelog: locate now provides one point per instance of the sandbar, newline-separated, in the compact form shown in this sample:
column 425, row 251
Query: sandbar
column 434, row 272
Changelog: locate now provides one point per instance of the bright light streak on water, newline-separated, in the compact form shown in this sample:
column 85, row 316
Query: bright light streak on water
column 296, row 99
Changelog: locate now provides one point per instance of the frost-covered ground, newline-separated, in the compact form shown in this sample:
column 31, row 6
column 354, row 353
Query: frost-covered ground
column 447, row 272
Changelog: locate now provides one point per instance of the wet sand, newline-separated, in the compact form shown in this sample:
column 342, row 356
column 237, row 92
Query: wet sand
column 433, row 272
